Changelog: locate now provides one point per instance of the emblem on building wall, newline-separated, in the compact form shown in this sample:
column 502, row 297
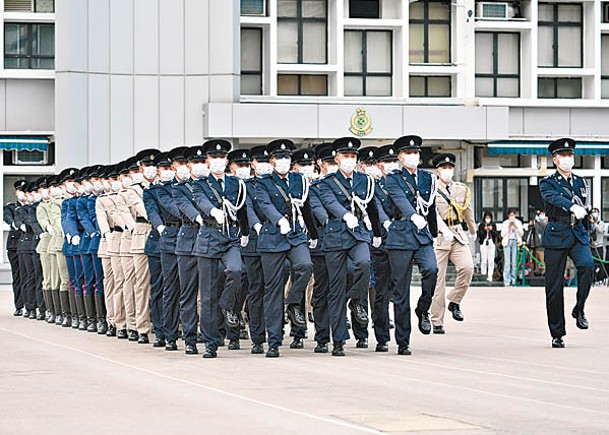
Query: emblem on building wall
column 361, row 123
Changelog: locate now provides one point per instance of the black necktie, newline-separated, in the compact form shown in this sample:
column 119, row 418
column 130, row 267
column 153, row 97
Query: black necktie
column 350, row 181
column 221, row 182
column 570, row 181
column 448, row 188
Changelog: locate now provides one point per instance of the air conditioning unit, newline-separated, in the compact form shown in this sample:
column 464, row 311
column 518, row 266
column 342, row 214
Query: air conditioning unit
column 494, row 11
column 253, row 7
column 18, row 5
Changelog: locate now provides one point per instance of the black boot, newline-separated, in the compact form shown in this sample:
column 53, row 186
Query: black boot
column 90, row 313
column 73, row 309
column 100, row 308
column 50, row 318
column 80, row 309
column 57, row 306
column 65, row 309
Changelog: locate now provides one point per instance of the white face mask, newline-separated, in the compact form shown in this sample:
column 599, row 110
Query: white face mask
column 307, row 171
column 20, row 196
column 107, row 185
column 411, row 161
column 199, row 170
column 88, row 187
column 282, row 166
column 447, row 174
column 217, row 165
column 127, row 181
column 70, row 187
column 391, row 166
column 167, row 174
column 137, row 177
column 243, row 173
column 37, row 196
column 81, row 189
column 98, row 186
column 183, row 172
column 263, row 168
column 116, row 185
column 332, row 169
column 566, row 163
column 56, row 192
column 373, row 171
column 150, row 172
column 347, row 164
column 45, row 194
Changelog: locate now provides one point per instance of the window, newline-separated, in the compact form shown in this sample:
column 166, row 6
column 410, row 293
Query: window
column 44, row 6
column 604, row 66
column 368, row 62
column 559, row 88
column 302, row 84
column 560, row 35
column 251, row 61
column 499, row 194
column 29, row 46
column 253, row 7
column 605, row 200
column 364, row 9
column 430, row 86
column 430, row 32
column 605, row 12
column 497, row 64
column 302, row 31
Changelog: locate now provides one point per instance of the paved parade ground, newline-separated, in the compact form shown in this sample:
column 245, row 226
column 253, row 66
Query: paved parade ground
column 493, row 373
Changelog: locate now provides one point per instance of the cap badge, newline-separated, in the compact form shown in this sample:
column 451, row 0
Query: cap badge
column 244, row 155
column 218, row 147
column 199, row 152
column 447, row 159
column 306, row 156
column 391, row 151
column 411, row 142
column 350, row 145
column 282, row 146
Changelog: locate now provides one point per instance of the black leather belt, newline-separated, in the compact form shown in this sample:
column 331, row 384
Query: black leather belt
column 190, row 224
column 173, row 224
column 453, row 223
column 562, row 219
column 141, row 220
column 117, row 229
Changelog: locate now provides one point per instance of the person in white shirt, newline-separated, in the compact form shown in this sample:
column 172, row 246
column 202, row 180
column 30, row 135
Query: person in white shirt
column 511, row 236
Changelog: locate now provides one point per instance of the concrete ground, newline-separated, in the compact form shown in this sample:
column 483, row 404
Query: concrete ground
column 493, row 373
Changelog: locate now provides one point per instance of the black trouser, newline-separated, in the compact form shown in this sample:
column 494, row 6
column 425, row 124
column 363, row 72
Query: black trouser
column 189, row 286
column 382, row 295
column 40, row 302
column 319, row 301
column 28, row 283
column 171, row 295
column 255, row 298
column 156, row 296
column 13, row 259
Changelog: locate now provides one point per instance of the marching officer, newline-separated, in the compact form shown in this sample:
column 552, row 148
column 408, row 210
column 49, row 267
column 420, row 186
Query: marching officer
column 410, row 237
column 454, row 214
column 12, row 243
column 348, row 197
column 566, row 198
column 46, row 251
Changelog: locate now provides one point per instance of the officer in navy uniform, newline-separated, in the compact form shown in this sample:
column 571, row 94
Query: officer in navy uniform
column 250, row 254
column 348, row 197
column 387, row 162
column 12, row 242
column 410, row 237
column 566, row 198
column 285, row 212
column 187, row 262
column 221, row 198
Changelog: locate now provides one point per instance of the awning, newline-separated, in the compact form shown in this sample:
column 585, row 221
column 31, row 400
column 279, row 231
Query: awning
column 541, row 148
column 24, row 143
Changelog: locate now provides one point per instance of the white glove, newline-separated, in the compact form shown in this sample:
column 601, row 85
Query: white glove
column 313, row 243
column 107, row 236
column 578, row 211
column 14, row 226
column 351, row 220
column 76, row 240
column 199, row 220
column 160, row 229
column 218, row 215
column 257, row 228
column 244, row 241
column 376, row 242
column 23, row 228
column 50, row 230
column 69, row 238
column 284, row 226
column 387, row 224
column 419, row 221
column 448, row 235
column 367, row 223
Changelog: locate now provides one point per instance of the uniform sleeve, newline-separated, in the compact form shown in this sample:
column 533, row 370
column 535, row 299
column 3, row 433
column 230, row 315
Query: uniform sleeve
column 398, row 196
column 69, row 222
column 319, row 212
column 550, row 194
column 9, row 217
column 137, row 203
column 102, row 217
column 126, row 220
column 42, row 215
column 330, row 201
column 165, row 198
column 252, row 217
column 152, row 208
column 184, row 202
column 82, row 212
column 33, row 221
column 200, row 198
column 266, row 206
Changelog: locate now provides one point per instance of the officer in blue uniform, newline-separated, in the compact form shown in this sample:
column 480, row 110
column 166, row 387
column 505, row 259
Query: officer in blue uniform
column 566, row 198
column 348, row 197
column 66, row 179
column 12, row 242
column 187, row 262
column 151, row 249
column 250, row 254
column 410, row 237
column 284, row 212
column 221, row 198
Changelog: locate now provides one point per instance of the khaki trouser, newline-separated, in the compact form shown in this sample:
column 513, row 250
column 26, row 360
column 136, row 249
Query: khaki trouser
column 309, row 295
column 109, row 289
column 141, row 293
column 461, row 257
column 45, row 261
column 118, row 302
column 54, row 281
column 62, row 269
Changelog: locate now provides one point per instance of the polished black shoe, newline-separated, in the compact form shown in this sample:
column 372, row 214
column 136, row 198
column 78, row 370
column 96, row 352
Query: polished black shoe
column 199, row 338
column 171, row 346
column 580, row 319
column 298, row 343
column 143, row 339
column 91, row 326
column 75, row 322
column 58, row 319
column 381, row 347
column 210, row 353
column 67, row 321
column 558, row 343
column 439, row 329
column 159, row 342
column 310, row 318
column 234, row 345
column 33, row 315
column 111, row 332
column 121, row 334
column 295, row 315
column 403, row 349
column 321, row 348
column 82, row 324
column 243, row 335
column 257, row 349
column 362, row 343
column 338, row 350
column 273, row 352
column 26, row 314
column 191, row 349
column 102, row 327
column 359, row 312
column 456, row 310
column 424, row 323
column 40, row 316
column 51, row 318
column 133, row 335
column 232, row 318
column 18, row 312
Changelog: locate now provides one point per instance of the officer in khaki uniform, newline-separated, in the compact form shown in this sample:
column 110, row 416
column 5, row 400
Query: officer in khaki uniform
column 454, row 214
column 46, row 250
